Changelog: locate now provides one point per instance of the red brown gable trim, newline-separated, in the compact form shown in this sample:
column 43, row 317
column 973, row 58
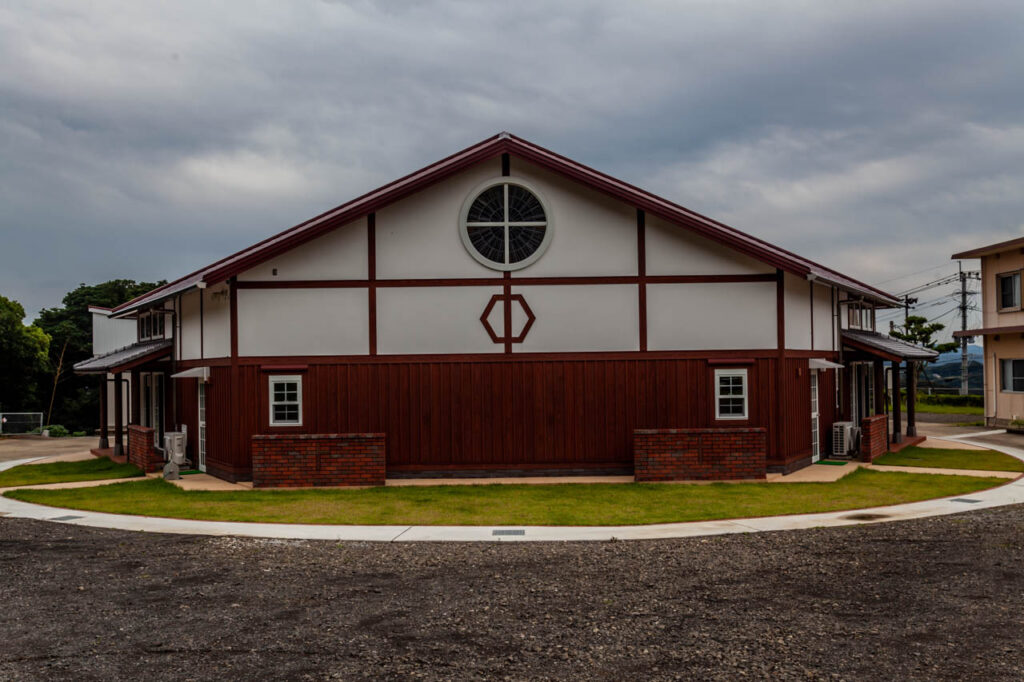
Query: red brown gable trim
column 497, row 281
column 503, row 143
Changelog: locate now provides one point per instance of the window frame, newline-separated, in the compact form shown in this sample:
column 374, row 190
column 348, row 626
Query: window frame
column 999, row 291
column 464, row 229
column 1002, row 375
column 271, row 403
column 732, row 372
column 151, row 325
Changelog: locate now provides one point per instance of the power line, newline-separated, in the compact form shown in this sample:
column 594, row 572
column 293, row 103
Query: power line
column 919, row 272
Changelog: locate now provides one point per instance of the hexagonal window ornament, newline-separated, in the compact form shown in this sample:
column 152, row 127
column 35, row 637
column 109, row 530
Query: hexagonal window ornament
column 500, row 315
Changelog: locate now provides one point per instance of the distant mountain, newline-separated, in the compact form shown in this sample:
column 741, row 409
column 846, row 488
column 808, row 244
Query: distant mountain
column 974, row 353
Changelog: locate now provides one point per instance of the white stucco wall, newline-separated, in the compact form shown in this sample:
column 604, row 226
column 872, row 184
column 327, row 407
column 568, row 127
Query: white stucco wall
column 825, row 335
column 418, row 237
column 434, row 320
column 190, row 339
column 216, row 322
column 798, row 312
column 330, row 321
column 579, row 318
column 673, row 250
column 339, row 254
column 111, row 334
column 593, row 234
column 708, row 316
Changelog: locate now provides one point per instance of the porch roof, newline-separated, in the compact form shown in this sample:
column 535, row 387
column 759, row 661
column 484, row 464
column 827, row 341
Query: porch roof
column 125, row 358
column 988, row 331
column 886, row 347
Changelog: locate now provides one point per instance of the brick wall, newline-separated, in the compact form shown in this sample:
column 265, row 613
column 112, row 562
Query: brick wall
column 874, row 437
column 308, row 460
column 699, row 454
column 141, row 451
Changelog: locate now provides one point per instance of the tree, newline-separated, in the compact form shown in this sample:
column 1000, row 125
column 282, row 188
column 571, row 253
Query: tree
column 76, row 398
column 24, row 360
column 919, row 330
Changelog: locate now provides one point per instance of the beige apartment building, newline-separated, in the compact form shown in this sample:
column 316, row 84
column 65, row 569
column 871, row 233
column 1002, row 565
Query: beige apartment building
column 1002, row 328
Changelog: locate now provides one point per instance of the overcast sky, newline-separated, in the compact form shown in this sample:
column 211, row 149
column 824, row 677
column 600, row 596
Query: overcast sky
column 143, row 139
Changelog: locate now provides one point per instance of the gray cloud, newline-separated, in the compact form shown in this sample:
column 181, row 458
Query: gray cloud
column 144, row 140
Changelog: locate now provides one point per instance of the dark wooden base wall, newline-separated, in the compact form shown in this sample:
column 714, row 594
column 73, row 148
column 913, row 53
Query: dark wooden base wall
column 699, row 454
column 577, row 413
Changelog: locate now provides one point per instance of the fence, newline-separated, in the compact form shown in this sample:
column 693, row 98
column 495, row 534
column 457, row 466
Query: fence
column 20, row 422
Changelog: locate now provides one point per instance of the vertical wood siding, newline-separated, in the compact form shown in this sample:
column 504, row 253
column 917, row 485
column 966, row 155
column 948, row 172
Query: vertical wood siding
column 571, row 413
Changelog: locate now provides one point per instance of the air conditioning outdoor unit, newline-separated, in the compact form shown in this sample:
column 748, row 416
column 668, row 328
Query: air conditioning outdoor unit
column 844, row 438
column 174, row 452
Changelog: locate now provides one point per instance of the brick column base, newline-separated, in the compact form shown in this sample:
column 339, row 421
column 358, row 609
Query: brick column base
column 699, row 454
column 141, row 451
column 311, row 460
column 873, row 437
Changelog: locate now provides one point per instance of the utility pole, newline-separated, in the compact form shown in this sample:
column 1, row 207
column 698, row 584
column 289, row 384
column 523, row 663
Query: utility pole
column 907, row 302
column 964, row 340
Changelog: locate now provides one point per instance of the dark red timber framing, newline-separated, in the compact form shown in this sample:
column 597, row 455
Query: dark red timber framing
column 371, row 273
column 780, row 318
column 641, row 270
column 506, row 411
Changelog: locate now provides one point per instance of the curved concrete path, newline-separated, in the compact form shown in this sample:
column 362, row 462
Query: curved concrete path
column 1011, row 493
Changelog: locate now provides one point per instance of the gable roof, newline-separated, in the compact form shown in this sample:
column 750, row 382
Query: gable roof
column 990, row 250
column 493, row 146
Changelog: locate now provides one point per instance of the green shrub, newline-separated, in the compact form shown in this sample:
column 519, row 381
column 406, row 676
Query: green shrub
column 79, row 434
column 57, row 431
column 951, row 400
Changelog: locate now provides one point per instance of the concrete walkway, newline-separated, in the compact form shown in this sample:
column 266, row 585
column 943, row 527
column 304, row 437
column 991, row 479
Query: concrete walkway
column 1011, row 493
column 25, row 448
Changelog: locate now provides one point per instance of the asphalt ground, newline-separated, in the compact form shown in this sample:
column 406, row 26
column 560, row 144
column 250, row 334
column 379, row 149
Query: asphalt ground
column 936, row 599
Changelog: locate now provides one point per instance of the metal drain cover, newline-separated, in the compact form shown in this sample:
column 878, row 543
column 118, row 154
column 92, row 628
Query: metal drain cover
column 65, row 518
column 965, row 500
column 866, row 517
column 510, row 531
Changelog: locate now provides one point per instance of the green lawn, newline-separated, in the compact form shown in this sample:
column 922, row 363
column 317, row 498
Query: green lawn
column 567, row 504
column 989, row 460
column 59, row 472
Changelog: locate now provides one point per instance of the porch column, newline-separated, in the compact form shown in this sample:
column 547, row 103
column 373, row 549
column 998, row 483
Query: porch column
column 104, row 441
column 118, row 416
column 897, row 436
column 879, row 382
column 880, row 393
column 911, row 398
column 136, row 395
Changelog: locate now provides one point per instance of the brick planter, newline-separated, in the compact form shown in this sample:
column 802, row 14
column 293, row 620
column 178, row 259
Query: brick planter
column 874, row 437
column 312, row 460
column 141, row 451
column 699, row 454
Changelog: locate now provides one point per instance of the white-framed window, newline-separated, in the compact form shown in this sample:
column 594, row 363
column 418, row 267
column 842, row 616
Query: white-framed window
column 1011, row 376
column 730, row 394
column 861, row 316
column 1009, row 291
column 151, row 325
column 285, row 401
column 505, row 224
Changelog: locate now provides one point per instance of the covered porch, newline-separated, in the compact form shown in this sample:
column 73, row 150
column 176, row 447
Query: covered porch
column 870, row 392
column 132, row 387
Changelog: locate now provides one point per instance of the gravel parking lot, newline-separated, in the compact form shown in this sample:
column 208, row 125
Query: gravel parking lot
column 932, row 599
